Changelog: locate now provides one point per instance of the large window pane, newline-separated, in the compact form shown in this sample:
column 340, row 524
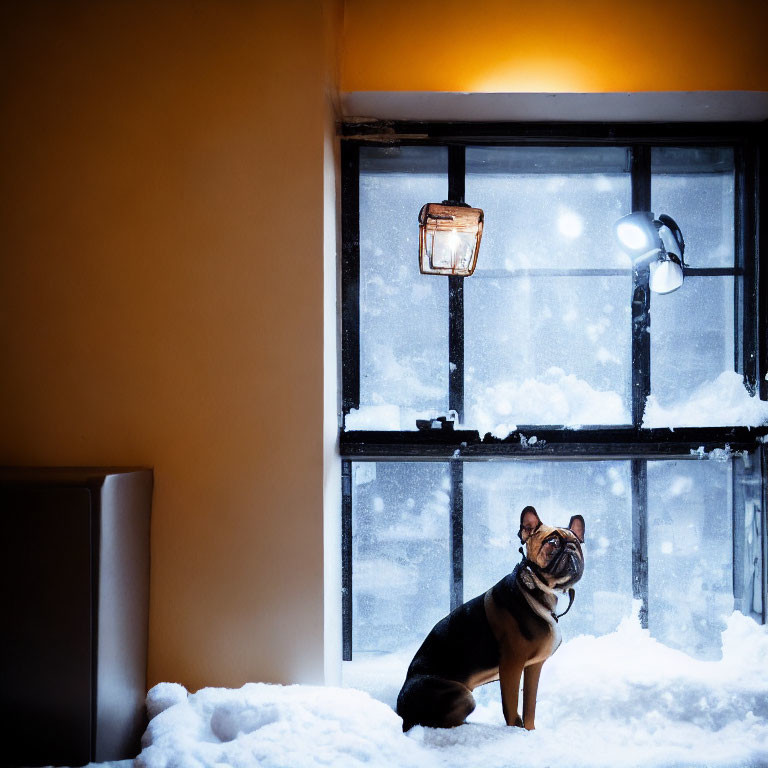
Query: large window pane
column 690, row 554
column 547, row 350
column 693, row 329
column 403, row 314
column 549, row 207
column 542, row 346
column 496, row 492
column 399, row 553
column 692, row 339
column 695, row 187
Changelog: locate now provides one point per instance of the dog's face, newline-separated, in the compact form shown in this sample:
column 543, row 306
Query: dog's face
column 555, row 551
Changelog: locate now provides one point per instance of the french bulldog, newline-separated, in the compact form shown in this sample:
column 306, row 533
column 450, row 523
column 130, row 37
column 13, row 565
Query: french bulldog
column 504, row 634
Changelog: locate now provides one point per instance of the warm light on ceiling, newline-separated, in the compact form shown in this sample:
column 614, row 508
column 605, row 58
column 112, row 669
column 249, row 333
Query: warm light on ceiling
column 536, row 75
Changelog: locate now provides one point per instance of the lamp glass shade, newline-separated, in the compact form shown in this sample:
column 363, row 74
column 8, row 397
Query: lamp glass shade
column 449, row 239
column 636, row 232
column 666, row 275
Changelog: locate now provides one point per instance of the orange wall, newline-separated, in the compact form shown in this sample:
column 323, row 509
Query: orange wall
column 555, row 46
column 161, row 273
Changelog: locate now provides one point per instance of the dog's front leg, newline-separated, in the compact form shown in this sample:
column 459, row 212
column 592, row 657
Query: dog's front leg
column 530, row 686
column 510, row 672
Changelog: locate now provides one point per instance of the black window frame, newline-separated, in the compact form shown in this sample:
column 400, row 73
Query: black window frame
column 635, row 443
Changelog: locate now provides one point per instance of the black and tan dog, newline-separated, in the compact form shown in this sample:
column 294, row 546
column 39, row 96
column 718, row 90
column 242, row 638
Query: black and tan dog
column 509, row 631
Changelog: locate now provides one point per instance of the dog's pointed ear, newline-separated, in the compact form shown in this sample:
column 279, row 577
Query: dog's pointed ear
column 529, row 522
column 577, row 526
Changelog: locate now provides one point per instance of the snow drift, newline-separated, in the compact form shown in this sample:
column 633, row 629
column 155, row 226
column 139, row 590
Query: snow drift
column 723, row 402
column 619, row 700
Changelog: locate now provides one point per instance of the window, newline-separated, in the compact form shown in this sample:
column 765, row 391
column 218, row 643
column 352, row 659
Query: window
column 575, row 388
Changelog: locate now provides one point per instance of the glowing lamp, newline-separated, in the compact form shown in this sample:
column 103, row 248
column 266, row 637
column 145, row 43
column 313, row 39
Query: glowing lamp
column 657, row 243
column 449, row 238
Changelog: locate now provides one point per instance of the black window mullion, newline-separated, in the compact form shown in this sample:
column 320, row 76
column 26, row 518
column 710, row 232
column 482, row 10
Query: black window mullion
column 456, row 184
column 641, row 384
column 456, row 539
column 738, row 477
column 759, row 196
column 350, row 274
column 640, row 536
column 457, row 167
column 641, row 295
column 745, row 283
column 456, row 345
column 456, row 172
column 346, row 559
column 763, row 458
column 350, row 363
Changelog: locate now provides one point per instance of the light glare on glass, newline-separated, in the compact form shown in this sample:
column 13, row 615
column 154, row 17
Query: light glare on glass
column 570, row 224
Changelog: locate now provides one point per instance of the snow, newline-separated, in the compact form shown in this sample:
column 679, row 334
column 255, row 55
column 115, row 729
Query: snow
column 558, row 398
column 722, row 402
column 554, row 398
column 619, row 700
column 385, row 417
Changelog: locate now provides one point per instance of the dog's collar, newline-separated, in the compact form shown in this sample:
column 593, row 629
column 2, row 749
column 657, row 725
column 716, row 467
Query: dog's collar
column 531, row 581
column 571, row 596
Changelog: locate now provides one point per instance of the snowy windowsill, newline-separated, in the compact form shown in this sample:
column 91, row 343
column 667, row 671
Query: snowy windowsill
column 564, row 400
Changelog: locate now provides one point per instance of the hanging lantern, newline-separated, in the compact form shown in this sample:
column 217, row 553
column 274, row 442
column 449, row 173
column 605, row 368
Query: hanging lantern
column 449, row 238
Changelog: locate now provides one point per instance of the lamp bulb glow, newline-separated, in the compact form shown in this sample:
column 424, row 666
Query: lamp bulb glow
column 632, row 236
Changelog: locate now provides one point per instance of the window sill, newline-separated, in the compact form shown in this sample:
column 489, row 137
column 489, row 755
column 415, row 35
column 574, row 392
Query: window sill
column 551, row 442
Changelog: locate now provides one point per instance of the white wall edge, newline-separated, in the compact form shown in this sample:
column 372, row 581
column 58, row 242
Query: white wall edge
column 332, row 633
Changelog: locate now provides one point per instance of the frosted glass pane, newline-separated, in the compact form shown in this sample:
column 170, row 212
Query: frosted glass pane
column 692, row 329
column 549, row 207
column 400, row 524
column 692, row 337
column 748, row 524
column 695, row 186
column 690, row 554
column 403, row 314
column 517, row 329
column 496, row 492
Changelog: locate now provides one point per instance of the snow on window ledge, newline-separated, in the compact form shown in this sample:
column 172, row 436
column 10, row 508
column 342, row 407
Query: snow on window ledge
column 384, row 418
column 558, row 398
column 554, row 398
column 723, row 402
